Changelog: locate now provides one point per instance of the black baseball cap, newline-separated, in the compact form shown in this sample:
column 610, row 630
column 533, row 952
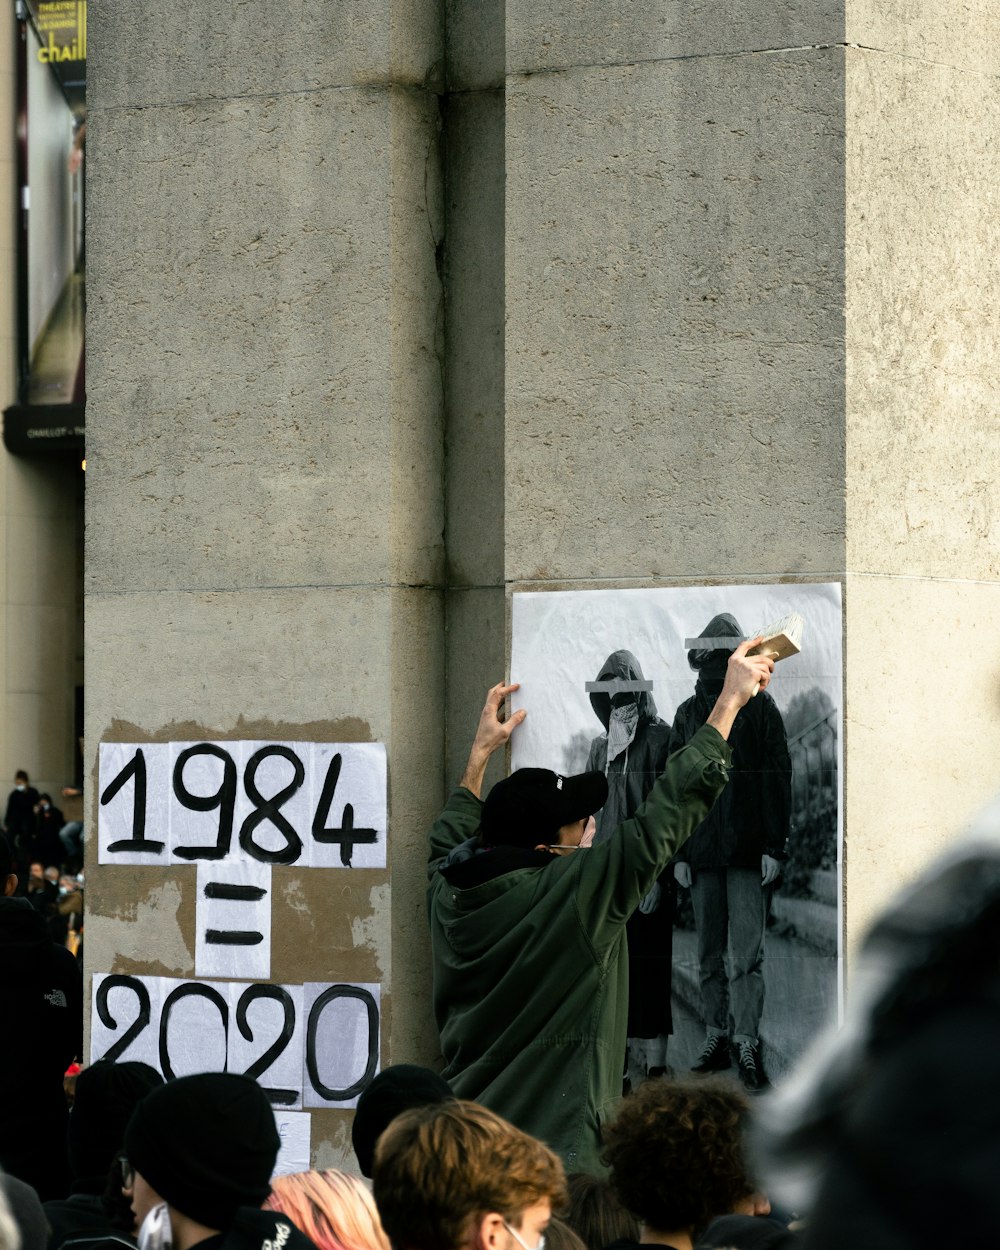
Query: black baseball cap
column 530, row 806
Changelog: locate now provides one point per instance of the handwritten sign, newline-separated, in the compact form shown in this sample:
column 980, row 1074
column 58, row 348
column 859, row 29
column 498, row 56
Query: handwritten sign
column 314, row 804
column 313, row 1044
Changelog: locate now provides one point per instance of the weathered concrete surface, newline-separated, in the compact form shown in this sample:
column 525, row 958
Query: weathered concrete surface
column 674, row 383
column 265, row 542
column 923, row 281
column 250, row 415
column 475, row 364
column 965, row 36
column 923, row 727
column 140, row 54
column 923, row 285
column 570, row 33
column 475, row 52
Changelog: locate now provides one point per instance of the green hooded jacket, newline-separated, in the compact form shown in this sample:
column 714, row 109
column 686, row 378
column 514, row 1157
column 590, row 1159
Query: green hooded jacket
column 530, row 958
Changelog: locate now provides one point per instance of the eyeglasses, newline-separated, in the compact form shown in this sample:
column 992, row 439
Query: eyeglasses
column 127, row 1171
column 523, row 1244
column 562, row 846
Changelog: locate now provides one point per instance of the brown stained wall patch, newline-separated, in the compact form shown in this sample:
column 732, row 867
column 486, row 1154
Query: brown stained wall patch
column 145, row 936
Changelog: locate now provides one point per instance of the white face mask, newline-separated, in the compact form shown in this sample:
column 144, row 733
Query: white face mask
column 20, row 786
column 155, row 1232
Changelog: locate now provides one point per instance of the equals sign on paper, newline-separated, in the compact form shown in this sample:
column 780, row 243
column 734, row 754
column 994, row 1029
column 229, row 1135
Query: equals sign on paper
column 233, row 921
column 234, row 894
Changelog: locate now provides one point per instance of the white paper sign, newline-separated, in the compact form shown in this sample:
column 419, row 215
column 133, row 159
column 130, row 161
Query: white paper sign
column 133, row 809
column 267, row 1039
column 233, row 918
column 316, row 804
column 317, row 1044
column 194, row 1027
column 295, row 1130
column 342, row 1047
column 124, row 1018
column 349, row 790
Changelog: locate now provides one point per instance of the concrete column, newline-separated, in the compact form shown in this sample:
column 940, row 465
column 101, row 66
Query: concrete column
column 474, row 367
column 923, row 531
column 750, row 274
column 265, row 443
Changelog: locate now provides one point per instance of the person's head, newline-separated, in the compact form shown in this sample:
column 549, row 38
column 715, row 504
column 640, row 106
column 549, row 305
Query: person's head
column 622, row 689
column 106, row 1095
column 27, row 1212
column 458, row 1177
column 534, row 807
column 205, row 1145
column 10, row 1238
column 711, row 660
column 45, row 801
column 596, row 1214
column 20, row 780
column 36, row 874
column 676, row 1153
column 395, row 1089
column 8, row 877
column 334, row 1210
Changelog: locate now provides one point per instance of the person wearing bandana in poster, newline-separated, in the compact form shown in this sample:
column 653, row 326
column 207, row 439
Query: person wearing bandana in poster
column 732, row 861
column 631, row 753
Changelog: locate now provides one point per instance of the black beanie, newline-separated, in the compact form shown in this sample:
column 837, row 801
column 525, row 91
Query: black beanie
column 207, row 1144
column 106, row 1096
column 396, row 1089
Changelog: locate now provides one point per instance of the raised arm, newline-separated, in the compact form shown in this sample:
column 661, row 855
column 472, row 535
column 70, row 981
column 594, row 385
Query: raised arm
column 492, row 733
column 745, row 676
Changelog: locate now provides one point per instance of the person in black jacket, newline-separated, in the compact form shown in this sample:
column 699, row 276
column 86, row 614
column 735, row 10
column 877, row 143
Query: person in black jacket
column 19, row 819
column 733, row 859
column 631, row 753
column 42, row 995
column 200, row 1152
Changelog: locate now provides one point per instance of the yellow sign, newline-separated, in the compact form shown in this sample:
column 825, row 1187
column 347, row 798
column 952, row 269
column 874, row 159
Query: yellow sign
column 63, row 26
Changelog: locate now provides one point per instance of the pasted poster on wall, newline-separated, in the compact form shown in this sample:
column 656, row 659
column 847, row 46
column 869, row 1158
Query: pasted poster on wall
column 230, row 811
column 739, row 939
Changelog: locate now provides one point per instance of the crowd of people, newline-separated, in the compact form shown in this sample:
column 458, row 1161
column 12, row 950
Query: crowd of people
column 190, row 1163
column 884, row 1138
column 47, row 851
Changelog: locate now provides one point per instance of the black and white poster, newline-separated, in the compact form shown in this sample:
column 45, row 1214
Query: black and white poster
column 740, row 939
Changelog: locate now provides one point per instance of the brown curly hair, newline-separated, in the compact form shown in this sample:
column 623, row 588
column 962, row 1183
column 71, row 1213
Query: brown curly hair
column 675, row 1151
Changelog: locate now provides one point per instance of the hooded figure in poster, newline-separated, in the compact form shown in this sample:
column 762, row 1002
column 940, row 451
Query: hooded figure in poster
column 733, row 859
column 631, row 753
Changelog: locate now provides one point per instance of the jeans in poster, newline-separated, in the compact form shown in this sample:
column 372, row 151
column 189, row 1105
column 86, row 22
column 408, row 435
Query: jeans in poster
column 730, row 910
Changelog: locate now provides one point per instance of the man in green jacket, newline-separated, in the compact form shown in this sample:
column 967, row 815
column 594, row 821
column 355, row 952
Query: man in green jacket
column 528, row 929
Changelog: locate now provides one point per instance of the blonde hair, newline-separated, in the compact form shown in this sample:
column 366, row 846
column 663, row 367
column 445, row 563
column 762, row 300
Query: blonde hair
column 333, row 1209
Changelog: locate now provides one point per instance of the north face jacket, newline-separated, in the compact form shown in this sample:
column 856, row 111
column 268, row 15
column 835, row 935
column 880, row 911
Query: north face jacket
column 42, row 1034
column 530, row 958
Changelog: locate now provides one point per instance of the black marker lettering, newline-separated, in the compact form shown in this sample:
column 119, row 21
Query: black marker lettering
column 346, row 834
column 224, row 799
column 330, row 995
column 281, row 1097
column 136, row 767
column 190, row 989
column 107, row 1019
column 233, row 937
column 234, row 893
column 269, row 809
